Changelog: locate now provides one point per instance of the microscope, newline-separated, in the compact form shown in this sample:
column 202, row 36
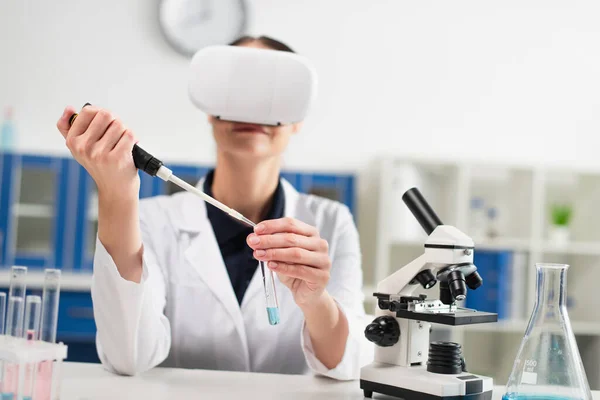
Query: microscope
column 406, row 364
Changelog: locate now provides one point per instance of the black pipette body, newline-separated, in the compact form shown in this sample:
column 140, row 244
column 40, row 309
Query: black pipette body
column 141, row 158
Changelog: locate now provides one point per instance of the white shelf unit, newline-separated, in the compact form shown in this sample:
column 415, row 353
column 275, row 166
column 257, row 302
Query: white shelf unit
column 522, row 196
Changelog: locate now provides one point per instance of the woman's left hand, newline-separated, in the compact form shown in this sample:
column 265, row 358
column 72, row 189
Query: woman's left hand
column 296, row 252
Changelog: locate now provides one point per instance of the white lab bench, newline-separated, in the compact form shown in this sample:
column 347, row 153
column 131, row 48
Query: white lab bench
column 91, row 381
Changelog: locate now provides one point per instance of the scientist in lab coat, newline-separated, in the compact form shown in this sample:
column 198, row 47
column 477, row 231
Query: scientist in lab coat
column 175, row 280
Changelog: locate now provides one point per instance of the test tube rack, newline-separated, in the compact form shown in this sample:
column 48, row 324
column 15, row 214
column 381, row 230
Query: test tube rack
column 44, row 358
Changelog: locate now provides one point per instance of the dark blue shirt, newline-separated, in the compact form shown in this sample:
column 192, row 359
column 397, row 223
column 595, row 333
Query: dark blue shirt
column 231, row 236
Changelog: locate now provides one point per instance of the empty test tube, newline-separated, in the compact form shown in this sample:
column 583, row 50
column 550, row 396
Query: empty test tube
column 2, row 312
column 270, row 294
column 50, row 298
column 16, row 301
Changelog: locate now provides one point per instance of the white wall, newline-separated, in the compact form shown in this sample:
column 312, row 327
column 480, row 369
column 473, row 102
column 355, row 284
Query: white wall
column 512, row 79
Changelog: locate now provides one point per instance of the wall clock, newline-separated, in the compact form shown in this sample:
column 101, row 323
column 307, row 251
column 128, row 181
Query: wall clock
column 190, row 25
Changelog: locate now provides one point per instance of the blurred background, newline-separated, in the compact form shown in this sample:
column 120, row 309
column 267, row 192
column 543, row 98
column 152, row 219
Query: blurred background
column 490, row 108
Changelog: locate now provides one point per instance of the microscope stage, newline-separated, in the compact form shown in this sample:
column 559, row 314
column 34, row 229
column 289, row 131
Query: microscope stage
column 467, row 317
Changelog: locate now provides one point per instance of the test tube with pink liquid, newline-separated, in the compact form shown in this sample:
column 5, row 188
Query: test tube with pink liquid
column 44, row 390
column 14, row 327
column 2, row 320
column 33, row 307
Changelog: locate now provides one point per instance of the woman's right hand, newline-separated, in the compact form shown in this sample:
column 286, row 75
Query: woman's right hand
column 102, row 145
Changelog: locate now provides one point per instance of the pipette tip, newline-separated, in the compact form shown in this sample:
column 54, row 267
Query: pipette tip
column 245, row 220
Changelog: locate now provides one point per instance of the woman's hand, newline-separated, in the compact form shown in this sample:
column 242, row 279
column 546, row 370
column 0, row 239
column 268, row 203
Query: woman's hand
column 102, row 145
column 296, row 252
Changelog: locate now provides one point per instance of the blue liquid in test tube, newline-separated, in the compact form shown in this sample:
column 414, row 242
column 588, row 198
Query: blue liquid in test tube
column 270, row 294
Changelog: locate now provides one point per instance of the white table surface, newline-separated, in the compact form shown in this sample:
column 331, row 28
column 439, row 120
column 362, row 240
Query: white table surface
column 91, row 381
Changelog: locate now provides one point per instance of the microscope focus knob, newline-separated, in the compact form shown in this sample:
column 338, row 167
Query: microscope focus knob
column 383, row 331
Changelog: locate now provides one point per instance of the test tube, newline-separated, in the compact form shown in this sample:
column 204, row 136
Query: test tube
column 2, row 319
column 16, row 301
column 33, row 307
column 2, row 312
column 44, row 387
column 50, row 298
column 270, row 294
column 14, row 326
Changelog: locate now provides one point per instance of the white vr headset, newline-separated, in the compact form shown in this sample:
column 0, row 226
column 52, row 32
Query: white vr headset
column 252, row 85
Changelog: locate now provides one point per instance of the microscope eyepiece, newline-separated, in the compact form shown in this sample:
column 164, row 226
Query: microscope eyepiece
column 426, row 279
column 422, row 211
column 474, row 280
column 457, row 285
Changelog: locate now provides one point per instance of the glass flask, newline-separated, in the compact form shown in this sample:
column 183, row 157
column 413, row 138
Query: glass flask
column 548, row 364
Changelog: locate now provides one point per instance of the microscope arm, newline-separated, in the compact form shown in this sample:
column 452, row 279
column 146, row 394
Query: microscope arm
column 398, row 282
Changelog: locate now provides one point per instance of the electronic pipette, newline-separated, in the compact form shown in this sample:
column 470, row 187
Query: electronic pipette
column 154, row 167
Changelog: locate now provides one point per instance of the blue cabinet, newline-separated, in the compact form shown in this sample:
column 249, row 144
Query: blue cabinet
column 339, row 187
column 86, row 221
column 5, row 200
column 76, row 317
column 33, row 210
column 334, row 187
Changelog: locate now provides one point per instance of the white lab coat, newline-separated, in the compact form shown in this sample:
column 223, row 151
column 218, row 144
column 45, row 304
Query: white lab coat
column 185, row 314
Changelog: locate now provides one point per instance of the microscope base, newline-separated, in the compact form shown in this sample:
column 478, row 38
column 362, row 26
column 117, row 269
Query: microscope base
column 416, row 383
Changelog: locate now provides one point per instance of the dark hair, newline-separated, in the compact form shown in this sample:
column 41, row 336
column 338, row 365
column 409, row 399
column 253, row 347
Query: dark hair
column 264, row 40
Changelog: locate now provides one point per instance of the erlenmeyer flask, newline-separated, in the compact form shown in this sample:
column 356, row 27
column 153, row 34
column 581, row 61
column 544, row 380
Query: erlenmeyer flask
column 548, row 365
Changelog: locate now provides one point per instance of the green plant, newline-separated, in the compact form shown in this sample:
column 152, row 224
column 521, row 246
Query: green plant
column 561, row 214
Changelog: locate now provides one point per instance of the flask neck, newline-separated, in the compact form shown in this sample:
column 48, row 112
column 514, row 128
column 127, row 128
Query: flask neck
column 551, row 285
